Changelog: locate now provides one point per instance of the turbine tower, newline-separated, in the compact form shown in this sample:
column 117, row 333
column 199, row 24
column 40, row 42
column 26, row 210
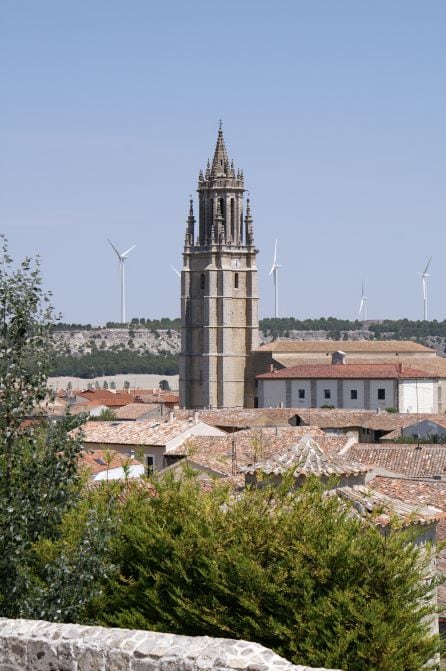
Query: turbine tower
column 274, row 272
column 424, row 275
column 363, row 304
column 122, row 257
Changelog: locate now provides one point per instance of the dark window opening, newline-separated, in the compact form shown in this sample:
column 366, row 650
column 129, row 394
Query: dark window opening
column 354, row 394
column 301, row 393
column 202, row 281
column 150, row 464
column 235, row 280
column 381, row 394
column 327, row 393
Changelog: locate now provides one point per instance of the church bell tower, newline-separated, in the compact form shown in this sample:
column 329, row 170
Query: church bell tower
column 219, row 299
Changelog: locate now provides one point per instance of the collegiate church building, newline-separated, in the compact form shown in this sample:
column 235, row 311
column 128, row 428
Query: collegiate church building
column 219, row 297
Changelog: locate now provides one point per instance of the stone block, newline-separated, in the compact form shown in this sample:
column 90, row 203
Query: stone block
column 42, row 656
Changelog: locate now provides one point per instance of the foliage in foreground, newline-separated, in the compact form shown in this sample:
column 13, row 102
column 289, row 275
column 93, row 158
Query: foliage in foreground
column 39, row 480
column 295, row 572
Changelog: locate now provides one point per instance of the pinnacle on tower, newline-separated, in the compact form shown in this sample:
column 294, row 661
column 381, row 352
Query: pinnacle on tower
column 190, row 224
column 248, row 224
column 220, row 161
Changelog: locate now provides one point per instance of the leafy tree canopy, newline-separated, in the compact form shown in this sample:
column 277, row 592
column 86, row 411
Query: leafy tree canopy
column 293, row 570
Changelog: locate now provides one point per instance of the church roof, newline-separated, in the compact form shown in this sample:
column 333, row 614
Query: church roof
column 347, row 371
column 347, row 346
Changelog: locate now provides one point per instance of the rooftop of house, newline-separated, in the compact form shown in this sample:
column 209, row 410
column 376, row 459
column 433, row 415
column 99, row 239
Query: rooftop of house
column 329, row 346
column 134, row 410
column 381, row 508
column 428, row 461
column 99, row 461
column 367, row 419
column 106, row 397
column 349, row 371
column 406, row 422
column 242, row 418
column 246, row 446
column 144, row 432
column 307, row 457
column 415, row 492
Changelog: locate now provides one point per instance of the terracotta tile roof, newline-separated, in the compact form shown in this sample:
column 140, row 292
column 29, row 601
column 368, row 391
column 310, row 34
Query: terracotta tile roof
column 107, row 397
column 134, row 410
column 307, row 458
column 335, row 418
column 314, row 346
column 97, row 461
column 416, row 492
column 367, row 419
column 412, row 421
column 381, row 508
column 427, row 462
column 349, row 371
column 144, row 432
column 216, row 452
column 243, row 418
column 434, row 365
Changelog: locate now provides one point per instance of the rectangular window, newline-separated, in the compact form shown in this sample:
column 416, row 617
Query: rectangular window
column 327, row 393
column 301, row 393
column 354, row 394
column 381, row 394
column 150, row 464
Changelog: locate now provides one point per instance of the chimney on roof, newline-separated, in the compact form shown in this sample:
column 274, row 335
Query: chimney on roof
column 195, row 416
column 271, row 368
column 338, row 357
column 171, row 416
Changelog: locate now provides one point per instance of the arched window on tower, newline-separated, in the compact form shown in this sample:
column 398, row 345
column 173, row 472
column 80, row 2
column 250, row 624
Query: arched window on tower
column 222, row 210
column 232, row 219
column 202, row 282
column 235, row 280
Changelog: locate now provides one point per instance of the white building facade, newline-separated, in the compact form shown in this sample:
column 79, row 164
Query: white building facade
column 362, row 387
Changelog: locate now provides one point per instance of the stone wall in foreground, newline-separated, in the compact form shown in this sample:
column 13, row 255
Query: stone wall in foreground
column 34, row 645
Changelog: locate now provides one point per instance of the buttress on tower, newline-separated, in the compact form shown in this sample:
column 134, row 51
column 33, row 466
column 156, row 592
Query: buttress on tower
column 219, row 296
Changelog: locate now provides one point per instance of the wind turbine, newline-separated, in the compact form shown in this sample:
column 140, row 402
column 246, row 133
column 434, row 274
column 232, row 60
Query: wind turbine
column 274, row 272
column 363, row 304
column 177, row 272
column 424, row 275
column 122, row 257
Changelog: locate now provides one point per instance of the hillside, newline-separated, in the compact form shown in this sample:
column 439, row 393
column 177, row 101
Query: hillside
column 143, row 348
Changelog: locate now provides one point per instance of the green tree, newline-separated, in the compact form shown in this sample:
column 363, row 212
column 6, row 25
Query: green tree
column 38, row 461
column 164, row 385
column 106, row 415
column 294, row 570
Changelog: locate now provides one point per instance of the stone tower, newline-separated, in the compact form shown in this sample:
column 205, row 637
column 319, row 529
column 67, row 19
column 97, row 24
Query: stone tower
column 219, row 301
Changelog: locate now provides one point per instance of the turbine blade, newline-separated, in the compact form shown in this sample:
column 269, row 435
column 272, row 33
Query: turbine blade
column 361, row 305
column 177, row 272
column 427, row 266
column 273, row 267
column 124, row 254
column 119, row 255
column 275, row 253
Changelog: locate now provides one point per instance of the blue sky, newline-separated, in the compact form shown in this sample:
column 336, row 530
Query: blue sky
column 335, row 110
